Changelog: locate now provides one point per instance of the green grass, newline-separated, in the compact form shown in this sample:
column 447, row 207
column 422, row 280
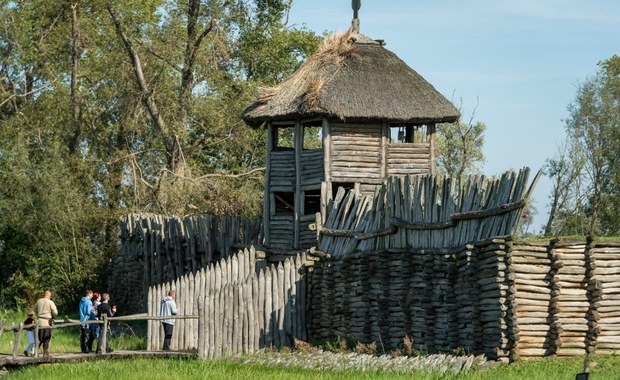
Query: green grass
column 607, row 368
column 67, row 340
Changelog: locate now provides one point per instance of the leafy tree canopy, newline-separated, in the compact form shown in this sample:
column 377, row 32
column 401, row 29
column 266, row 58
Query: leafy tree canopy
column 109, row 107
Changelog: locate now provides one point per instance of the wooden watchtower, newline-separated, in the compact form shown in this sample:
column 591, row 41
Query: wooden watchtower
column 351, row 116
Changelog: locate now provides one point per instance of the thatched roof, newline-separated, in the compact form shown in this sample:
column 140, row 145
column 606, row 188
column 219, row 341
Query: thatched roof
column 353, row 77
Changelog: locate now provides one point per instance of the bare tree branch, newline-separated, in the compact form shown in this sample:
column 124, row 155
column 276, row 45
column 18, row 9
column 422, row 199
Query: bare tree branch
column 147, row 94
column 25, row 94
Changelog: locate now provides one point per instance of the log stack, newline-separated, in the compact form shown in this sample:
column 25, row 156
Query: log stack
column 493, row 301
column 606, row 297
column 572, row 303
column 531, row 268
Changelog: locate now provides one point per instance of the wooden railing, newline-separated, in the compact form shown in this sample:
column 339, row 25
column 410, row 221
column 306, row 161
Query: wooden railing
column 17, row 329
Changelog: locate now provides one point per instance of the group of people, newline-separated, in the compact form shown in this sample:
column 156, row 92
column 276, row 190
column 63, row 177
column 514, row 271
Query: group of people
column 93, row 307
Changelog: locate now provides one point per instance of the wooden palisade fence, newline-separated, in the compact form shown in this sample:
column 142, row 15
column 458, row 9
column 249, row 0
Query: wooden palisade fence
column 242, row 306
column 157, row 249
column 424, row 212
column 427, row 258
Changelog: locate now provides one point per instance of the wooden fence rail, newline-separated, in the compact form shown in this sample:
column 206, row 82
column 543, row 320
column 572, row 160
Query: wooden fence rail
column 241, row 306
column 18, row 328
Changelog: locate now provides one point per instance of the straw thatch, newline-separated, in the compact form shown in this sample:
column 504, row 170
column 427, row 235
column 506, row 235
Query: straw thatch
column 353, row 77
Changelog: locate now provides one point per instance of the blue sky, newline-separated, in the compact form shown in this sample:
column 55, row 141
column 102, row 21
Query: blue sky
column 519, row 61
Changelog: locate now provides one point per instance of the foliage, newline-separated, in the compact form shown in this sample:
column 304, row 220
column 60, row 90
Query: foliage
column 459, row 147
column 586, row 170
column 111, row 107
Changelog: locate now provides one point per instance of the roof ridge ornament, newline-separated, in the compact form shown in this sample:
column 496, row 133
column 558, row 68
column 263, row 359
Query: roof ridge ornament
column 355, row 24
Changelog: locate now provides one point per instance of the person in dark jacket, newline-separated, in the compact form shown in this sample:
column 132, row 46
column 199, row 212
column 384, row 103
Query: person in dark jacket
column 30, row 323
column 168, row 308
column 104, row 309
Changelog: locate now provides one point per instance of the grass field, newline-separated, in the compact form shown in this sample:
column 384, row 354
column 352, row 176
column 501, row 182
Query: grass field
column 67, row 340
column 549, row 369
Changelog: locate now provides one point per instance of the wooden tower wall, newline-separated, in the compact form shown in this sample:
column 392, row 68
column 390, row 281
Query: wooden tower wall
column 361, row 154
column 357, row 155
column 296, row 172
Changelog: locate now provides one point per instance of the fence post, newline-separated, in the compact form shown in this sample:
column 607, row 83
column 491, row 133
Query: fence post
column 2, row 323
column 104, row 335
column 17, row 335
column 201, row 329
column 36, row 338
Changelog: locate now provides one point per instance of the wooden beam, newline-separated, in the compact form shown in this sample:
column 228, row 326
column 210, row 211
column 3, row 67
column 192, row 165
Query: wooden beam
column 299, row 206
column 431, row 128
column 267, row 193
column 327, row 159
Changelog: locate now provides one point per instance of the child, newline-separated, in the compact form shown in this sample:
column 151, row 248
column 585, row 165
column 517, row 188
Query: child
column 30, row 333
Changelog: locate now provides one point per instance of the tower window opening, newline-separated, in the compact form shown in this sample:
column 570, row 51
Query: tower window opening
column 284, row 203
column 408, row 134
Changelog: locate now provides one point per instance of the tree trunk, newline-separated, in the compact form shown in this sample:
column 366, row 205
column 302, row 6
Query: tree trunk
column 76, row 51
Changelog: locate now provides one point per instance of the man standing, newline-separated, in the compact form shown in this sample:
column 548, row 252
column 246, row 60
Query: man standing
column 46, row 310
column 86, row 314
column 168, row 308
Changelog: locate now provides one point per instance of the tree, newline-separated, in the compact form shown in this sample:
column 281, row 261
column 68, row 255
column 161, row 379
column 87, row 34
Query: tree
column 564, row 170
column 109, row 107
column 459, row 147
column 587, row 182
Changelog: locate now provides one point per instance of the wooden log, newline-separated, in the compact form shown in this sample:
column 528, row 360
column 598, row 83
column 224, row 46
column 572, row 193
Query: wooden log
column 533, row 352
column 532, row 289
column 531, row 269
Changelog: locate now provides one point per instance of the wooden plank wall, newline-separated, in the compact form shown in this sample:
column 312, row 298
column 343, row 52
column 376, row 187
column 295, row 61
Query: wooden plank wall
column 282, row 170
column 404, row 159
column 281, row 231
column 356, row 153
column 156, row 249
column 312, row 169
column 241, row 307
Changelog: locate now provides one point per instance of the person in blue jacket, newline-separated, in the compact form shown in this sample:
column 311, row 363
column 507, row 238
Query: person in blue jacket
column 86, row 314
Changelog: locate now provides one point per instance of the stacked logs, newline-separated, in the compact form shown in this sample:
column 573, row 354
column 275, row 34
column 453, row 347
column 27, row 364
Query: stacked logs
column 605, row 266
column 439, row 302
column 506, row 299
column 467, row 292
column 533, row 318
column 572, row 302
column 493, row 300
column 594, row 294
column 566, row 300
